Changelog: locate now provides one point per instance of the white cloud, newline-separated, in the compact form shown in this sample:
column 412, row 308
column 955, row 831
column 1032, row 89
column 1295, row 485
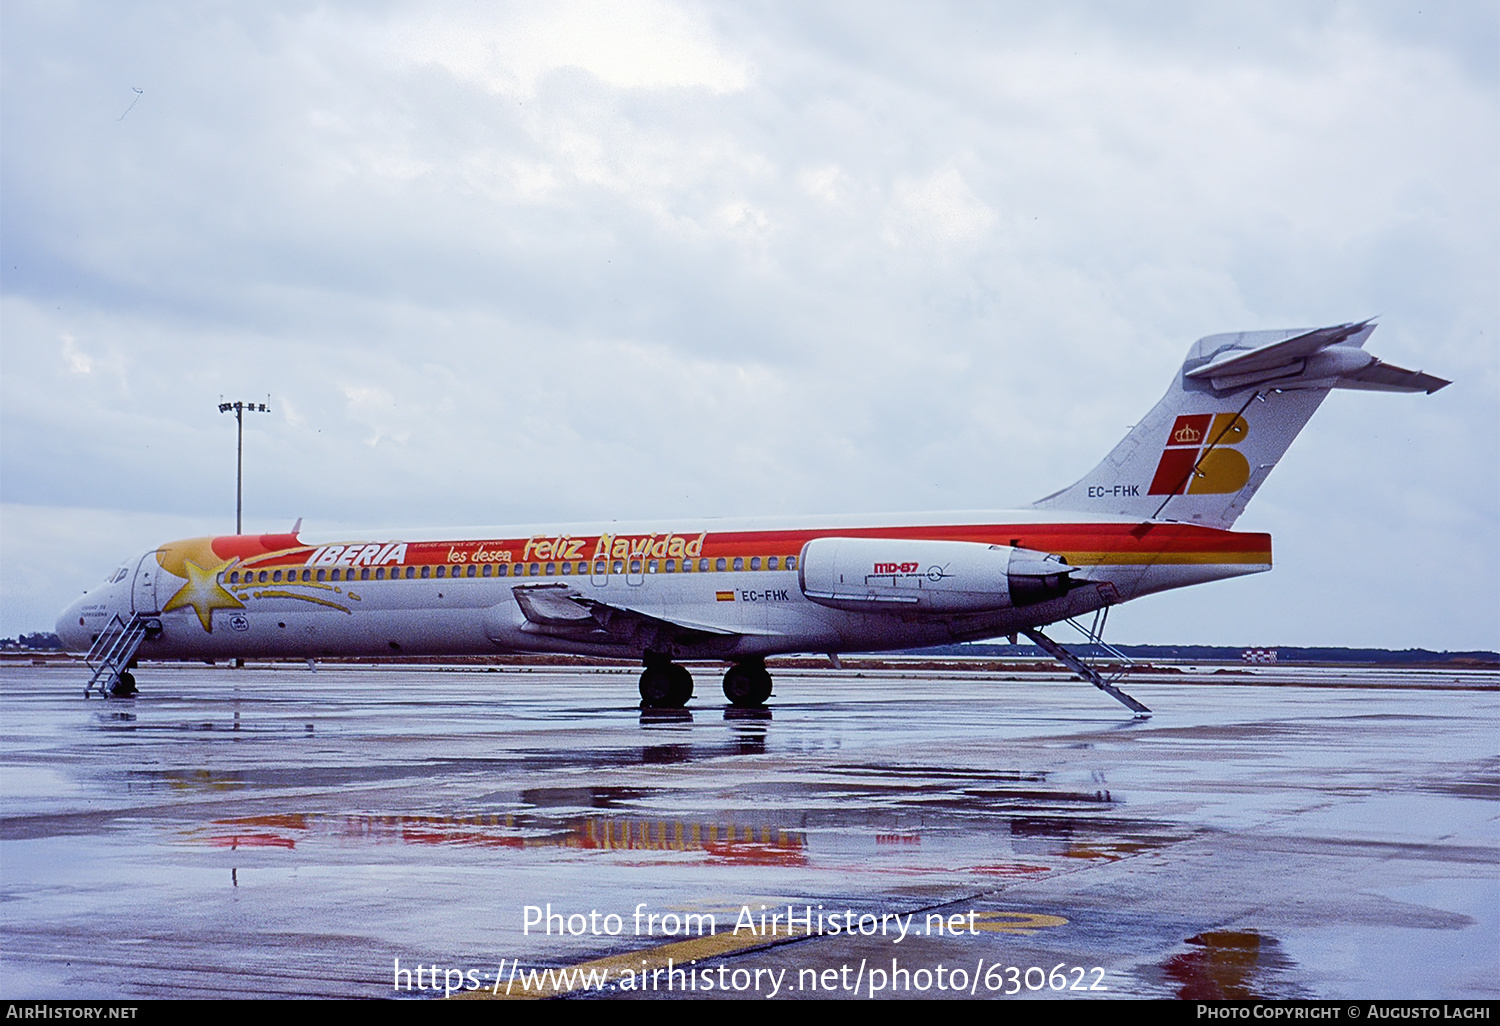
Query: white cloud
column 78, row 361
column 940, row 206
column 627, row 44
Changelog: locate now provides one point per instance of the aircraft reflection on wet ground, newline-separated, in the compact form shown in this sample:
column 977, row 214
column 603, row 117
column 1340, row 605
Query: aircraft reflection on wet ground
column 271, row 831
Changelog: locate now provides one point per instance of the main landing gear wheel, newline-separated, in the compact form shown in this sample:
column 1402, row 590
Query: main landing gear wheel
column 747, row 685
column 665, row 685
column 124, row 686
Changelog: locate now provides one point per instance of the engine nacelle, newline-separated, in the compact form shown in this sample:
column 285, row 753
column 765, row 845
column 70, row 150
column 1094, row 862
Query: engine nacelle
column 933, row 578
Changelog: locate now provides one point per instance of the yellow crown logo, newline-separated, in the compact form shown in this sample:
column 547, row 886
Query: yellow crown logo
column 1185, row 435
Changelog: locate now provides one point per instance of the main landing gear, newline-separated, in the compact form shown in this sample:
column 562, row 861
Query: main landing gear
column 664, row 684
column 747, row 685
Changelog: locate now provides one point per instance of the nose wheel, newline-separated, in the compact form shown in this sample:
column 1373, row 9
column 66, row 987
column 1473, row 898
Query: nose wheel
column 747, row 685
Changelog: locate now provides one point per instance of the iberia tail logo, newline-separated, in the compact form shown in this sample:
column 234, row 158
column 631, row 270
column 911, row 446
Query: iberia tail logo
column 1199, row 457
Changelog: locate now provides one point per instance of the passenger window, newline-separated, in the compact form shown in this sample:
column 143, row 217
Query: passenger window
column 721, row 564
column 703, row 564
column 771, row 563
column 791, row 562
column 487, row 570
column 671, row 566
column 600, row 567
column 739, row 562
column 411, row 572
column 307, row 575
column 503, row 569
column 322, row 575
column 754, row 562
column 380, row 573
column 471, row 571
column 427, row 572
column 551, row 569
column 619, row 567
column 635, row 566
column 234, row 578
column 276, row 576
column 650, row 566
column 535, row 570
column 263, row 576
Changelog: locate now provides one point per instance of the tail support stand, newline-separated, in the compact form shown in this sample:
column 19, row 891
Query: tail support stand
column 1086, row 671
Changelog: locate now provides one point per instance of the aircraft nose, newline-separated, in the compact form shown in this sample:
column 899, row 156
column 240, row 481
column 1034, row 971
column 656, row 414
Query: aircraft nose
column 70, row 629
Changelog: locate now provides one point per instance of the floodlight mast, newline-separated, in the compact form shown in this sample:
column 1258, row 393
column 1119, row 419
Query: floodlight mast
column 239, row 459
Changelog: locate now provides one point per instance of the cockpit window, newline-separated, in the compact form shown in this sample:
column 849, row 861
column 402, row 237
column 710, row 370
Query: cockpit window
column 119, row 575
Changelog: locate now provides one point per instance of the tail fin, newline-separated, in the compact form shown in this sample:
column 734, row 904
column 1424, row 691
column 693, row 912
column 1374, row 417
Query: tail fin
column 1227, row 418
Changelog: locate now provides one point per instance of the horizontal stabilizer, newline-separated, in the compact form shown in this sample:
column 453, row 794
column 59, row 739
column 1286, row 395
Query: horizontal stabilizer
column 1322, row 358
column 1276, row 357
column 1384, row 377
column 1227, row 418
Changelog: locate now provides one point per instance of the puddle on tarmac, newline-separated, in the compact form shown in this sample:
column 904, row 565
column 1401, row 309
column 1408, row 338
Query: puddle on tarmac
column 1229, row 965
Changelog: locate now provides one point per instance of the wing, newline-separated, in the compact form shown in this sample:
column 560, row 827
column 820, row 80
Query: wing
column 560, row 610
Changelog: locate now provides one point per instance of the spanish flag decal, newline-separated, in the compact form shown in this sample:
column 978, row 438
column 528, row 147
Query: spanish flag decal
column 724, row 596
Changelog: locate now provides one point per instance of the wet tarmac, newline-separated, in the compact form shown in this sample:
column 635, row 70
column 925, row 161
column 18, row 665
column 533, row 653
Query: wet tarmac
column 1269, row 832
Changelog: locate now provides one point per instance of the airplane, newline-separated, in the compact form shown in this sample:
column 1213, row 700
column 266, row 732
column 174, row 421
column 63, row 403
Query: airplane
column 1155, row 514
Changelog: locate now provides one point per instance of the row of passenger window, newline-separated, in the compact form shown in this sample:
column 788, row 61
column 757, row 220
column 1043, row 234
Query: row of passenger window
column 600, row 568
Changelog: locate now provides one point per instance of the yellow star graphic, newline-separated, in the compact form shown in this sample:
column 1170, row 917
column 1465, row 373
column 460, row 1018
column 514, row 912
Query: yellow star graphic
column 204, row 593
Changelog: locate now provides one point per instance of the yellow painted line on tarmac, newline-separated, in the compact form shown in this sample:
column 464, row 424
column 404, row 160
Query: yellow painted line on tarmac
column 1023, row 924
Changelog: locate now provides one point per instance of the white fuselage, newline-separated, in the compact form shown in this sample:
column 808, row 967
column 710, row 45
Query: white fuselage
column 716, row 589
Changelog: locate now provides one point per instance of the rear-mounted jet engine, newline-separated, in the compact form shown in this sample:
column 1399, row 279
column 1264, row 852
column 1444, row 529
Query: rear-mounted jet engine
column 928, row 578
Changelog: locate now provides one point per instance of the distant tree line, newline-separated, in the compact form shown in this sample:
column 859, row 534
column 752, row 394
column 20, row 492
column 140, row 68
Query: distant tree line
column 1225, row 653
column 41, row 639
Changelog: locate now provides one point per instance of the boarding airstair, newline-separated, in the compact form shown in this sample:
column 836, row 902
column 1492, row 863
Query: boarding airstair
column 114, row 650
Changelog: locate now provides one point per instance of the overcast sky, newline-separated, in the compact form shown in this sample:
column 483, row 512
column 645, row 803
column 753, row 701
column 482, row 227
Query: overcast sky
column 519, row 263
